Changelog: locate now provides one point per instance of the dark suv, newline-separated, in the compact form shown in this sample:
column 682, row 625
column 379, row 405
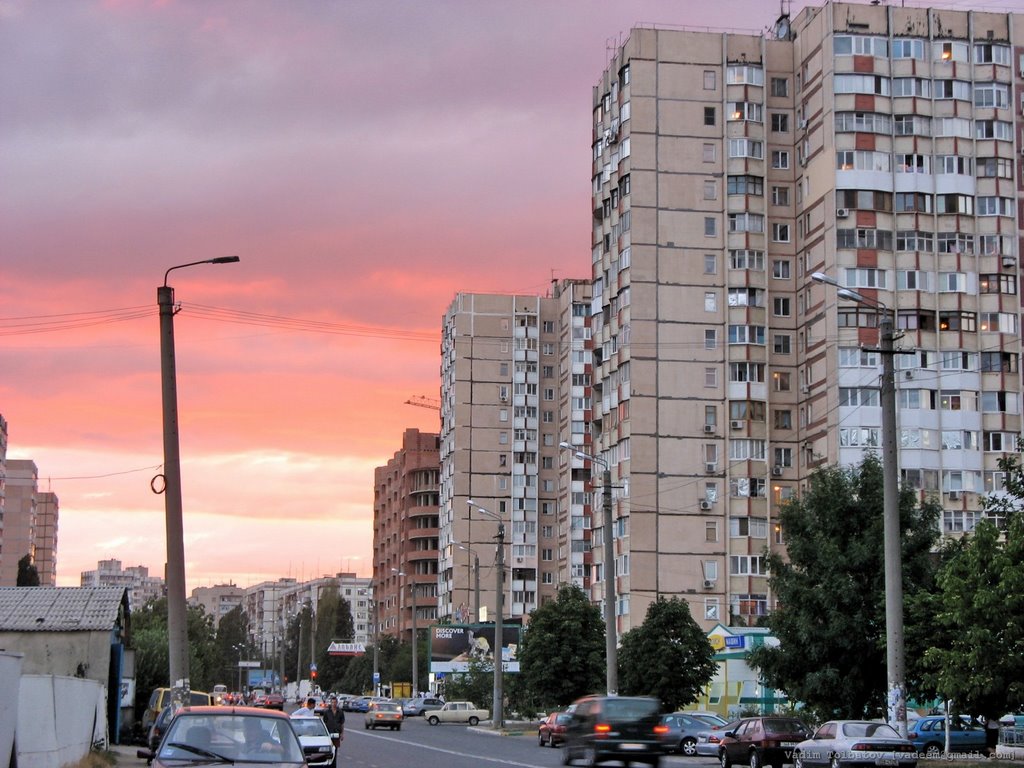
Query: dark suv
column 759, row 741
column 619, row 728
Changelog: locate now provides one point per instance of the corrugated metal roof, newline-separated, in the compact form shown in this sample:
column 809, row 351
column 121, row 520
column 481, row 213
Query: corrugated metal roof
column 59, row 609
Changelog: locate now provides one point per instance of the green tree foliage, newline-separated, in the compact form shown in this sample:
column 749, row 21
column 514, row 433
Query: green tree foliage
column 476, row 685
column 565, row 634
column 334, row 623
column 28, row 574
column 358, row 677
column 976, row 627
column 668, row 656
column 830, row 619
column 233, row 645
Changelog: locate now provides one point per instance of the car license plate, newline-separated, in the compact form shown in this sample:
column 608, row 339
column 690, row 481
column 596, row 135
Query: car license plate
column 631, row 746
column 888, row 761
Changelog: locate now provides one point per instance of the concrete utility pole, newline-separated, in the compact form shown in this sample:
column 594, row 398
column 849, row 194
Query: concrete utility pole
column 498, row 704
column 177, row 611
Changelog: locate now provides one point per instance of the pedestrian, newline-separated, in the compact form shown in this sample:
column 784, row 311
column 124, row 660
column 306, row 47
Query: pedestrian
column 334, row 719
column 991, row 736
column 307, row 710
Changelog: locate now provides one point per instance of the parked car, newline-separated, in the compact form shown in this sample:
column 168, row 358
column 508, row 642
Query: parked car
column 708, row 717
column 384, row 714
column 551, row 730
column 159, row 727
column 315, row 739
column 223, row 735
column 362, row 703
column 681, row 732
column 759, row 741
column 161, row 697
column 420, row 705
column 843, row 743
column 708, row 740
column 623, row 728
column 458, row 712
column 929, row 735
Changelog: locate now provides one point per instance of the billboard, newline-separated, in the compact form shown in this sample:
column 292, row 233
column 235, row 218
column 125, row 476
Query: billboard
column 453, row 646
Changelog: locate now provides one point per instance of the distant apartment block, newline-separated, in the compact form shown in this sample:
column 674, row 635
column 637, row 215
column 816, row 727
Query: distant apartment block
column 405, row 536
column 136, row 579
column 217, row 601
column 19, row 523
column 877, row 144
column 515, row 379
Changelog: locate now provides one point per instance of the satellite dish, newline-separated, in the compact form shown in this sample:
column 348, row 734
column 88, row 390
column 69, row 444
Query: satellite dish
column 782, row 28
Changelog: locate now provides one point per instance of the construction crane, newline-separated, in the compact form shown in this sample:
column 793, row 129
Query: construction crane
column 421, row 401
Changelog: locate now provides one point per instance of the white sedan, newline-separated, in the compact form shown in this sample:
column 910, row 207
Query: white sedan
column 840, row 743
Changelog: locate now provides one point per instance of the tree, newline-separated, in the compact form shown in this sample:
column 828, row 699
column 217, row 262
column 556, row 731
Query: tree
column 233, row 644
column 564, row 634
column 976, row 656
column 830, row 619
column 334, row 622
column 475, row 685
column 28, row 574
column 667, row 656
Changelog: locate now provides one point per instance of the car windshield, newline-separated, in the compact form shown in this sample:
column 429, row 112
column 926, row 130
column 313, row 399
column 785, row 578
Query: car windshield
column 784, row 726
column 877, row 730
column 309, row 726
column 205, row 738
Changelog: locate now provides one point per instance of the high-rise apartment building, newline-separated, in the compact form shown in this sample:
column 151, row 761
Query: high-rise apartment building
column 47, row 515
column 514, row 383
column 218, row 600
column 19, row 522
column 405, row 528
column 878, row 145
column 135, row 578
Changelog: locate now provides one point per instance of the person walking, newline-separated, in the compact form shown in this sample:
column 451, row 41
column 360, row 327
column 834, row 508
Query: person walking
column 334, row 719
column 307, row 709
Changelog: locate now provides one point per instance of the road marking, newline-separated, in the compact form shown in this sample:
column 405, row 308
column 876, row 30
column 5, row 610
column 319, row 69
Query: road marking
column 474, row 755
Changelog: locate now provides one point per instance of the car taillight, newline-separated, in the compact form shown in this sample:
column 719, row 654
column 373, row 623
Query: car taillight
column 713, row 739
column 661, row 729
column 602, row 729
column 906, row 748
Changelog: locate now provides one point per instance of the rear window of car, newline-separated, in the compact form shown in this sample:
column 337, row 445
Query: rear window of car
column 630, row 709
column 784, row 726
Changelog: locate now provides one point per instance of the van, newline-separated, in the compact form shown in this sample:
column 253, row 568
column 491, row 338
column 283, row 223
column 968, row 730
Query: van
column 161, row 697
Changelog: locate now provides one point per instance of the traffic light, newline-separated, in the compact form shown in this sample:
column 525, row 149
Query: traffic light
column 313, row 674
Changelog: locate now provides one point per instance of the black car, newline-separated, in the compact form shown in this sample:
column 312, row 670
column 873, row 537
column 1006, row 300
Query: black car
column 760, row 741
column 622, row 728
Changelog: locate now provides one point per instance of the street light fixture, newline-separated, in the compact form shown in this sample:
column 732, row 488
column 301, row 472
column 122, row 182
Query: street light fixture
column 476, row 577
column 177, row 628
column 498, row 704
column 896, row 700
column 412, row 591
column 610, row 631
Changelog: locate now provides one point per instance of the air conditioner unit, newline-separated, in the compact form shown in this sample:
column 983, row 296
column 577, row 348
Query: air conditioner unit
column 710, row 468
column 803, row 124
column 736, row 424
column 776, row 471
column 842, row 213
column 954, row 495
column 1009, row 261
column 709, row 583
column 709, row 428
column 705, row 505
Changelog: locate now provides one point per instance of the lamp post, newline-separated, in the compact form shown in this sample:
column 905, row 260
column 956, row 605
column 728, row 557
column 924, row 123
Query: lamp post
column 610, row 631
column 177, row 628
column 896, row 699
column 498, row 706
column 412, row 591
column 476, row 578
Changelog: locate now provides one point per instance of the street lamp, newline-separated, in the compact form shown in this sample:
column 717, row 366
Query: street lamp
column 610, row 631
column 896, row 700
column 177, row 628
column 412, row 591
column 476, row 577
column 498, row 706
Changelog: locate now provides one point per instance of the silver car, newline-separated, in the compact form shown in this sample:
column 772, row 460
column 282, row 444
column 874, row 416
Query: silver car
column 680, row 730
column 840, row 743
column 708, row 740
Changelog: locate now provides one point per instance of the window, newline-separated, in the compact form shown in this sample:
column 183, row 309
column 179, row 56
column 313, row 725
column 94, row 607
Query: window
column 781, row 306
column 710, row 190
column 782, row 420
column 864, row 238
column 994, row 167
column 993, row 129
column 747, row 565
column 911, row 86
column 865, row 278
column 780, row 195
column 949, row 51
column 913, row 201
column 780, row 158
column 744, row 147
column 746, row 222
column 863, row 160
column 780, row 122
column 754, row 527
column 744, row 74
column 862, row 122
column 781, row 343
column 744, row 111
column 781, row 269
column 857, row 396
column 852, row 83
column 746, row 259
column 907, row 48
column 709, row 80
column 779, row 87
column 860, row 45
column 710, row 302
column 995, row 95
column 953, row 126
column 991, row 53
column 951, row 89
column 710, row 226
column 710, row 377
column 995, row 206
column 913, row 163
column 710, row 264
column 745, row 185
column 709, row 115
column 782, row 381
column 780, row 233
column 710, row 338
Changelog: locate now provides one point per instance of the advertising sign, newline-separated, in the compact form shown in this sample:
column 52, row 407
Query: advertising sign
column 453, row 646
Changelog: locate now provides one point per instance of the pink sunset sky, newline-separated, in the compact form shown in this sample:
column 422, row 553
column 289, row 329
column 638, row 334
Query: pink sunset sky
column 366, row 159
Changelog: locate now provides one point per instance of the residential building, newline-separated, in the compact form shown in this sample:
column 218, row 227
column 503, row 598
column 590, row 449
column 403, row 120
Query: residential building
column 876, row 144
column 136, row 579
column 514, row 378
column 218, row 600
column 19, row 523
column 263, row 604
column 47, row 515
column 405, row 537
